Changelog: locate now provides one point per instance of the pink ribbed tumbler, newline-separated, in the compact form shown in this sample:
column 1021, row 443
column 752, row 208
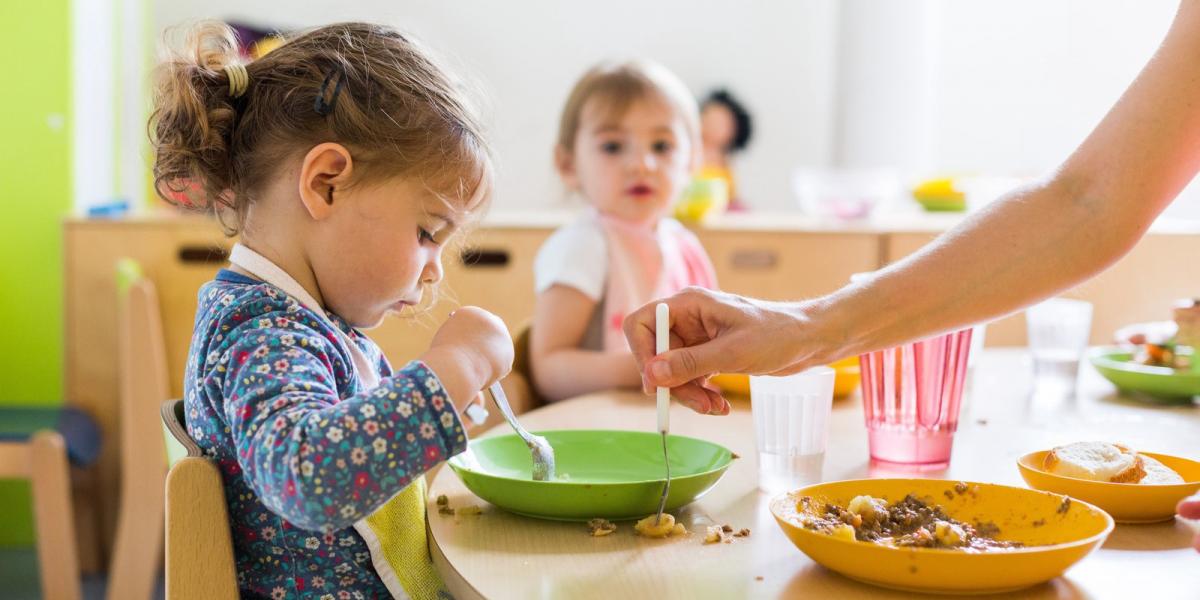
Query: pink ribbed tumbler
column 911, row 395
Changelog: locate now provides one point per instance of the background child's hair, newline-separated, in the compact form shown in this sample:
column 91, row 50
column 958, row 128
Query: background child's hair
column 617, row 85
column 399, row 113
column 743, row 125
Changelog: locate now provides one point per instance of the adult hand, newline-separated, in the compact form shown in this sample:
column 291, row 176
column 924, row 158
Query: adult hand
column 1189, row 508
column 715, row 332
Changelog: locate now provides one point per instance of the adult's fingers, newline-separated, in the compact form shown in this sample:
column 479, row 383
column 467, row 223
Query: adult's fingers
column 693, row 396
column 1189, row 508
column 639, row 331
column 681, row 365
column 701, row 397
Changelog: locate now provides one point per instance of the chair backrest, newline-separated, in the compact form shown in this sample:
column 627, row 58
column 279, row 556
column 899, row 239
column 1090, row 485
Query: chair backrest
column 144, row 381
column 135, row 567
column 522, row 366
column 199, row 554
column 175, row 436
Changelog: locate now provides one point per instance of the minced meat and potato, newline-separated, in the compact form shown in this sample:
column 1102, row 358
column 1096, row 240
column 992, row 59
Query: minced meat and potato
column 908, row 523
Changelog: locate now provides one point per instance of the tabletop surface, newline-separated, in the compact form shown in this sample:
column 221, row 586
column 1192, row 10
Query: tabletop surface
column 501, row 555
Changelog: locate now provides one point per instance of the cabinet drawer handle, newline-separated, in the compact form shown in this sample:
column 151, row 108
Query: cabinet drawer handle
column 203, row 255
column 474, row 258
column 754, row 259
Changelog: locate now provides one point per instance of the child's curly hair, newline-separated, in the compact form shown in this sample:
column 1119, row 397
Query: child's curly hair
column 398, row 112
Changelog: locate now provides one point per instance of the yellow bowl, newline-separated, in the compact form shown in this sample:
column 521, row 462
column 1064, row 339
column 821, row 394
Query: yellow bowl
column 737, row 384
column 1055, row 538
column 845, row 379
column 846, row 375
column 1126, row 502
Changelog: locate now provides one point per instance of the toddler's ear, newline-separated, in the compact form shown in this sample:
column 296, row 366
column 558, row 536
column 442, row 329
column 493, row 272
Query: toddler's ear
column 564, row 161
column 326, row 167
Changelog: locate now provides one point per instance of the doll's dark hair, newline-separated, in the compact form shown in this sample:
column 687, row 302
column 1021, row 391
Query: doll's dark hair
column 741, row 119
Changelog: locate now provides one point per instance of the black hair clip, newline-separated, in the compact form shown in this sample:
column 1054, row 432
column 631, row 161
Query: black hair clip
column 325, row 107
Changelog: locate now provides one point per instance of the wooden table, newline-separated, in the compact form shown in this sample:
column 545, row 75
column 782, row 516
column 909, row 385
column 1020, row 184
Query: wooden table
column 500, row 555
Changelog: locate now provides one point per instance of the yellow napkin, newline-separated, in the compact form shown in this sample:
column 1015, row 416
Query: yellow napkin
column 396, row 536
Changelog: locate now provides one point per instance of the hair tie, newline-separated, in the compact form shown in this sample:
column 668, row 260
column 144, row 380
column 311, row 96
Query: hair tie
column 323, row 106
column 239, row 79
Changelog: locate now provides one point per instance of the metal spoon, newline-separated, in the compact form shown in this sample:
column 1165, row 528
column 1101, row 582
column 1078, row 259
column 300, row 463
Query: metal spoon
column 543, row 454
column 662, row 343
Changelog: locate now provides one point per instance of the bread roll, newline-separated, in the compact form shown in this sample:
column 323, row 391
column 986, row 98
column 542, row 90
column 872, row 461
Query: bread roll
column 1096, row 461
column 1158, row 473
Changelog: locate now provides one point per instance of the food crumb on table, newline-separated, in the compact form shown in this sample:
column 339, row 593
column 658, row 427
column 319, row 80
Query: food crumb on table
column 723, row 533
column 601, row 527
column 659, row 527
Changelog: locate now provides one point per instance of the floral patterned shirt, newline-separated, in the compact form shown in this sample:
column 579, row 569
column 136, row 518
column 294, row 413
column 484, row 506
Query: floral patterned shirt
column 304, row 451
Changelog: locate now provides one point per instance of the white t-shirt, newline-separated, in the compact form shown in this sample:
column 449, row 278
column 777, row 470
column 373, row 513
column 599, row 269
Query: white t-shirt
column 576, row 256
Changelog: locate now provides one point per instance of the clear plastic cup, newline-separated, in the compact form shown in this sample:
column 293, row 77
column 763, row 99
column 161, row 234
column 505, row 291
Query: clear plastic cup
column 911, row 399
column 791, row 427
column 1058, row 331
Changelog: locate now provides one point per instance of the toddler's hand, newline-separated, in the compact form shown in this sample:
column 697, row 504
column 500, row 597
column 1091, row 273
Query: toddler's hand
column 480, row 338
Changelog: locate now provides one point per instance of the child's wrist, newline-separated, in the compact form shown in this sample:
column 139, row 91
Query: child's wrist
column 460, row 368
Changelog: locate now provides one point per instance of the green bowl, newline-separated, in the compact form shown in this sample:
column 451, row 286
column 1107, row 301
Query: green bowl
column 616, row 475
column 1116, row 364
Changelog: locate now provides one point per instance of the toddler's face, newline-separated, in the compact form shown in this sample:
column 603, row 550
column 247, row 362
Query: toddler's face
column 632, row 166
column 379, row 252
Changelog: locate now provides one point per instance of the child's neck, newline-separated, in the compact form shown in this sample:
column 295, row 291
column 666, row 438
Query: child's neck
column 649, row 225
column 282, row 246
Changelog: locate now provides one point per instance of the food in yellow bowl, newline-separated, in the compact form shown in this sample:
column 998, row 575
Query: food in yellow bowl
column 1040, row 534
column 908, row 523
column 1148, row 500
column 1102, row 461
column 846, row 376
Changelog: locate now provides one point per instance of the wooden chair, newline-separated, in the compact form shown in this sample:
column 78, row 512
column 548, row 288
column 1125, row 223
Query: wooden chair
column 523, row 369
column 199, row 552
column 42, row 459
column 142, row 357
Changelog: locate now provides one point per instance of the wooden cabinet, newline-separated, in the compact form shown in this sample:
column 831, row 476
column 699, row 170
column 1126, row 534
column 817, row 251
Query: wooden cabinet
column 179, row 256
column 781, row 265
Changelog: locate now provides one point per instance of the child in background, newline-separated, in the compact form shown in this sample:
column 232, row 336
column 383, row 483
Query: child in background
column 346, row 159
column 628, row 143
column 725, row 129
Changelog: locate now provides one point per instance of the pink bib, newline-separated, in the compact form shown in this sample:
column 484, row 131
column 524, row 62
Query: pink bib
column 644, row 265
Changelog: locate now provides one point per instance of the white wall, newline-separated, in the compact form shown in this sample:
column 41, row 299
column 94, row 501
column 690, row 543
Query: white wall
column 985, row 86
column 932, row 86
column 93, row 104
column 776, row 56
column 109, row 102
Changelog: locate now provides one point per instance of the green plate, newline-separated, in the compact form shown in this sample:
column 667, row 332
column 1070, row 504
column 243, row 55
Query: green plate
column 1116, row 364
column 944, row 204
column 612, row 474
